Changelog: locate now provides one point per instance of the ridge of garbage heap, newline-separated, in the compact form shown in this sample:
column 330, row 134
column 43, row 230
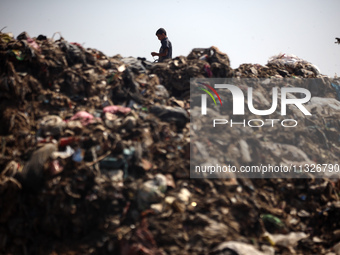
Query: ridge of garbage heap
column 95, row 155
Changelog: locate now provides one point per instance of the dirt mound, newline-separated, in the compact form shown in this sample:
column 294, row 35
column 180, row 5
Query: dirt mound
column 95, row 158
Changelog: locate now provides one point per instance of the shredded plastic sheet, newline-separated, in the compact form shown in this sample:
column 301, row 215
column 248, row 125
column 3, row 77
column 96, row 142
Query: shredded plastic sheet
column 290, row 60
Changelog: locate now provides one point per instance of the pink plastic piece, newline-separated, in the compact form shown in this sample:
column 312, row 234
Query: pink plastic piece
column 84, row 117
column 116, row 109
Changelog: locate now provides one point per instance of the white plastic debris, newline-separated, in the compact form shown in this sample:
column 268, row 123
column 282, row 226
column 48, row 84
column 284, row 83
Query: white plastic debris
column 239, row 247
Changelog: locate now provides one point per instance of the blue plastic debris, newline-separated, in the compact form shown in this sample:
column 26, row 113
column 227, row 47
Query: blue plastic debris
column 337, row 89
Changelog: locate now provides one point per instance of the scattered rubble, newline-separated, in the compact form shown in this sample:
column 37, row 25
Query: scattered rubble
column 95, row 158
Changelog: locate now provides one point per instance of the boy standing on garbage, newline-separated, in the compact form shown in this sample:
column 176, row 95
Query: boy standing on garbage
column 166, row 49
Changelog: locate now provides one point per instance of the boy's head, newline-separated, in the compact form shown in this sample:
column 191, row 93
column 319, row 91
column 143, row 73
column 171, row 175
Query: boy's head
column 161, row 33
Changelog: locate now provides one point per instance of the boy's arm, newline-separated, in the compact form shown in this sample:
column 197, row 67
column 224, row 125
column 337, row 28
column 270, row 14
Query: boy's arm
column 160, row 54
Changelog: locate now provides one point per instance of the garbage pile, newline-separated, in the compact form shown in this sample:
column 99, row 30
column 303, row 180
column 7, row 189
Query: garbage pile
column 95, row 158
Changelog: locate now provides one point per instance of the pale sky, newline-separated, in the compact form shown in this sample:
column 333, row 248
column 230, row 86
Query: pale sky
column 248, row 31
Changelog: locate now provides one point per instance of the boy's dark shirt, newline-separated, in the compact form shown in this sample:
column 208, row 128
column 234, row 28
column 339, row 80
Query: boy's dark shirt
column 165, row 44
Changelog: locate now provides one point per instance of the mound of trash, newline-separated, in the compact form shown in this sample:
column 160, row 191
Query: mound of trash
column 95, row 158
